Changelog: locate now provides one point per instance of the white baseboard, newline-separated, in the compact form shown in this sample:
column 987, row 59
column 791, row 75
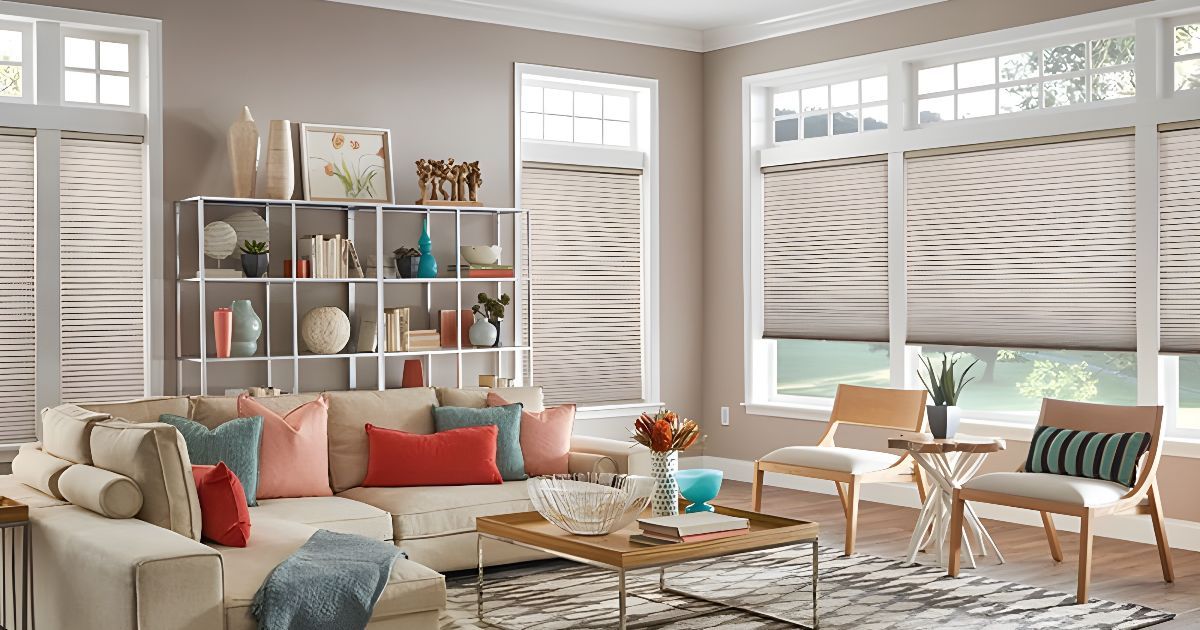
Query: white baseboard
column 1181, row 534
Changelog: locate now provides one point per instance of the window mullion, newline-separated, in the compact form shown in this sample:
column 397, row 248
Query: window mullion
column 47, row 370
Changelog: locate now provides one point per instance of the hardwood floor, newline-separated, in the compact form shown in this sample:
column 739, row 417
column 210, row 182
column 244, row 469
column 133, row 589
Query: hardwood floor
column 1121, row 571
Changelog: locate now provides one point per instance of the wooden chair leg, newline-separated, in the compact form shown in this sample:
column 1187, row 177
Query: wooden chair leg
column 1160, row 534
column 841, row 490
column 956, row 533
column 756, row 489
column 851, row 515
column 1085, row 558
column 1052, row 537
column 919, row 477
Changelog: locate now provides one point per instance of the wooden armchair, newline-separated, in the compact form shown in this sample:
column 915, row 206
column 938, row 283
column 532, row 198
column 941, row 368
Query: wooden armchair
column 1076, row 496
column 849, row 468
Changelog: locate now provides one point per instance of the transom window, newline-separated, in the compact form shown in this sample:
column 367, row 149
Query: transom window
column 1056, row 76
column 1187, row 56
column 561, row 114
column 830, row 109
column 15, row 45
column 97, row 69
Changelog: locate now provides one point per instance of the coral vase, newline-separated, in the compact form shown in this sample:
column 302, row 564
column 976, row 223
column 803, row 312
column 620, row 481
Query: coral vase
column 663, row 467
column 222, row 331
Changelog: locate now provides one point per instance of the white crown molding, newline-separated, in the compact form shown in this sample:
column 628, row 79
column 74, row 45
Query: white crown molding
column 640, row 32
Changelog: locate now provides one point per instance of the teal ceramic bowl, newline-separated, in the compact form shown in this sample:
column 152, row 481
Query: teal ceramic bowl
column 699, row 486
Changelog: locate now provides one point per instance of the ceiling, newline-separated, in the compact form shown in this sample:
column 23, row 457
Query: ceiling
column 695, row 25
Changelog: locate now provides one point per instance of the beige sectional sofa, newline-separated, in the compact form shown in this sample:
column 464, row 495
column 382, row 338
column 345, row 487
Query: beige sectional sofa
column 127, row 573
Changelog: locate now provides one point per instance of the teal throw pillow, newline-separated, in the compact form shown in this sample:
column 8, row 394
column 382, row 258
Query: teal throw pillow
column 1107, row 456
column 507, row 420
column 235, row 442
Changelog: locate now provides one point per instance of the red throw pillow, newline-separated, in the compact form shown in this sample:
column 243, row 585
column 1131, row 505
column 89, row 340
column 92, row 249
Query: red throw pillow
column 458, row 457
column 223, row 512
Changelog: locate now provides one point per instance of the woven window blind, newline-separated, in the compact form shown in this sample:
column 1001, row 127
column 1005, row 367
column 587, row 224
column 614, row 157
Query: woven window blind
column 102, row 270
column 586, row 237
column 1023, row 246
column 825, row 251
column 17, row 307
column 1179, row 240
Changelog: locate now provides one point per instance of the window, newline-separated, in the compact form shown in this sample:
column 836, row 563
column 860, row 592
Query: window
column 1187, row 416
column 1056, row 76
column 16, row 48
column 830, row 109
column 813, row 369
column 561, row 114
column 1186, row 46
column 97, row 69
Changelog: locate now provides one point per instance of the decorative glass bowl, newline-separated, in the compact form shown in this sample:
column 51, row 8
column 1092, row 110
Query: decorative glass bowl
column 590, row 504
column 699, row 486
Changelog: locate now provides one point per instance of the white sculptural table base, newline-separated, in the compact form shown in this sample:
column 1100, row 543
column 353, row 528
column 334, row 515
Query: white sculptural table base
column 948, row 464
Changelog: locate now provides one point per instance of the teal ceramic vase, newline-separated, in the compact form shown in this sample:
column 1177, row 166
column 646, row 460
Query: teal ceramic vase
column 699, row 485
column 427, row 268
column 247, row 328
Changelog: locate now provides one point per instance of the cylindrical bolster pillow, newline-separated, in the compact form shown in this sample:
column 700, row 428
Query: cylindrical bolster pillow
column 589, row 463
column 40, row 470
column 101, row 491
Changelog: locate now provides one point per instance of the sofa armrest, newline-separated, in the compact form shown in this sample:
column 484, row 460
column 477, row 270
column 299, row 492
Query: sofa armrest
column 629, row 457
column 122, row 573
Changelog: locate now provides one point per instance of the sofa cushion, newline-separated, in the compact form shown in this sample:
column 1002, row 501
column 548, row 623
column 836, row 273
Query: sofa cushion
column 530, row 397
column 155, row 457
column 101, row 491
column 142, row 410
column 545, row 437
column 65, row 432
column 411, row 588
column 236, row 443
column 449, row 458
column 409, row 410
column 223, row 509
column 336, row 514
column 439, row 510
column 294, row 461
column 506, row 419
column 38, row 469
column 211, row 411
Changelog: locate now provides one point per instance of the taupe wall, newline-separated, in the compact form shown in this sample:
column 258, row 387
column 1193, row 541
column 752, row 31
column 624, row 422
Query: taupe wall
column 750, row 436
column 444, row 87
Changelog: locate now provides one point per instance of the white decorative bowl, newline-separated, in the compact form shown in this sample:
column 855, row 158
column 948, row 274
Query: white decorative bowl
column 590, row 504
column 325, row 330
column 481, row 254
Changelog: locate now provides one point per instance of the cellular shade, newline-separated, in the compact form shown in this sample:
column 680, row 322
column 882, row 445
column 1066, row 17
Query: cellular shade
column 1026, row 246
column 1179, row 240
column 17, row 307
column 825, row 251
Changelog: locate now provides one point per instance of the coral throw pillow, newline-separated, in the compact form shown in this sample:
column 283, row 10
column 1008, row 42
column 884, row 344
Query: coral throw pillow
column 458, row 457
column 545, row 437
column 223, row 511
column 294, row 461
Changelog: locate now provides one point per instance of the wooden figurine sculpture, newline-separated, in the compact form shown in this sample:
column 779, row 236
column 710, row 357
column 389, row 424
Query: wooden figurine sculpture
column 463, row 180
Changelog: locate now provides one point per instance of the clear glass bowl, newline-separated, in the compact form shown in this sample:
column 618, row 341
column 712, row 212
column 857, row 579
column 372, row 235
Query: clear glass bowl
column 590, row 504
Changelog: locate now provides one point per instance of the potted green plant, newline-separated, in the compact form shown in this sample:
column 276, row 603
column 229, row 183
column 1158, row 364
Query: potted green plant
column 485, row 332
column 407, row 260
column 254, row 258
column 944, row 387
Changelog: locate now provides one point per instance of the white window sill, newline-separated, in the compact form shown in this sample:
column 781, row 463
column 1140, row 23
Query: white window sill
column 1173, row 446
column 615, row 412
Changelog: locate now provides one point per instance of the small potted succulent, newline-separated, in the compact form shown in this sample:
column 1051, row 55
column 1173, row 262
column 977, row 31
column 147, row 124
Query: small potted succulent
column 407, row 261
column 254, row 258
column 485, row 332
column 944, row 387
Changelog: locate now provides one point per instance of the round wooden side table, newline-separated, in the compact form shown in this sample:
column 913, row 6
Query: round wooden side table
column 948, row 464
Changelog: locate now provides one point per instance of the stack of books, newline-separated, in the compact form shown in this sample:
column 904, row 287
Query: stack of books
column 482, row 271
column 700, row 526
column 396, row 321
column 417, row 340
column 329, row 256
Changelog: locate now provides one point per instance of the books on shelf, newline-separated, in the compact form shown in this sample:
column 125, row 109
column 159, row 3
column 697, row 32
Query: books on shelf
column 417, row 340
column 447, row 327
column 396, row 322
column 695, row 527
column 329, row 256
column 483, row 271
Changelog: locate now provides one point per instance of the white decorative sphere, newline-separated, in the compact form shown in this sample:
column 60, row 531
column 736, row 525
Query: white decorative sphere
column 220, row 239
column 325, row 330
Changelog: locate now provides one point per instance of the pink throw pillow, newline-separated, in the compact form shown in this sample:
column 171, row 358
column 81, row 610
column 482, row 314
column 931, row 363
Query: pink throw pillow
column 294, row 458
column 545, row 437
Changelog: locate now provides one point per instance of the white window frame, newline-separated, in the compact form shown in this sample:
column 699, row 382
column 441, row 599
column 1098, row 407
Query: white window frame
column 1172, row 58
column 603, row 90
column 827, row 83
column 1156, row 102
column 642, row 155
column 27, row 63
column 133, row 40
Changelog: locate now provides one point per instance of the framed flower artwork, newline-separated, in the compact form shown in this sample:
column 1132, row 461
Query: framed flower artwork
column 342, row 163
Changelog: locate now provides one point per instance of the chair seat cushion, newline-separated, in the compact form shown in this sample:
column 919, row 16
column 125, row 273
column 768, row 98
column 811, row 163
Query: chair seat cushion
column 333, row 513
column 426, row 511
column 835, row 458
column 1049, row 487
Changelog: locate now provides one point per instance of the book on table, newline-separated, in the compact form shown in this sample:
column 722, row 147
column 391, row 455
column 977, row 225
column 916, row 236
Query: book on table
column 696, row 527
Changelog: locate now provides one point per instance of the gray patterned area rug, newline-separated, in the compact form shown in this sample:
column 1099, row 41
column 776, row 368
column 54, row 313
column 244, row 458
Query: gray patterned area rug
column 860, row 592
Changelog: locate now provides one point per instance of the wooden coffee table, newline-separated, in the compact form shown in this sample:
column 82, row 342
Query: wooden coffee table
column 616, row 553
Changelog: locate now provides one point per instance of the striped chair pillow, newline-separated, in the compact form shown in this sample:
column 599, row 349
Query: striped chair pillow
column 1107, row 456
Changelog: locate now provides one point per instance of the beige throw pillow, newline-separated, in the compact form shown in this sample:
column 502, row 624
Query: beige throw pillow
column 38, row 469
column 529, row 397
column 409, row 410
column 65, row 432
column 101, row 491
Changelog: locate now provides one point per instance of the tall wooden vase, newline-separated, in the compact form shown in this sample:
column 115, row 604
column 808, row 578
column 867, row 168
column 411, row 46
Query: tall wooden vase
column 281, row 165
column 243, row 154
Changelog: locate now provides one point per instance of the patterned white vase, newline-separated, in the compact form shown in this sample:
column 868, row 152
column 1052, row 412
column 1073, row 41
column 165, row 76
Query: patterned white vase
column 663, row 467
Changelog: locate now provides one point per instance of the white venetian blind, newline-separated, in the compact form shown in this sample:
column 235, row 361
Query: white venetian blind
column 825, row 251
column 1029, row 246
column 102, row 270
column 1179, row 240
column 586, row 237
column 18, row 412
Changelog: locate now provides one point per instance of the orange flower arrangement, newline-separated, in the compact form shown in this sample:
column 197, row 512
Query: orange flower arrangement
column 665, row 431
